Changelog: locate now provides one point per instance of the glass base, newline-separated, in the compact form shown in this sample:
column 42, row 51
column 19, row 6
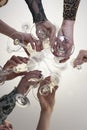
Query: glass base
column 22, row 101
column 44, row 90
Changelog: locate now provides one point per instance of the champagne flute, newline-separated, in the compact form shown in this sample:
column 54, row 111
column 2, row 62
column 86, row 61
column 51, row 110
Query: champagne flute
column 60, row 43
column 48, row 88
column 22, row 100
column 12, row 45
column 61, row 48
column 16, row 69
column 40, row 34
column 25, row 27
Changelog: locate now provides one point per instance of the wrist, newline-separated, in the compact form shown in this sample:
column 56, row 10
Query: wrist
column 46, row 113
column 16, row 35
column 39, row 19
column 68, row 22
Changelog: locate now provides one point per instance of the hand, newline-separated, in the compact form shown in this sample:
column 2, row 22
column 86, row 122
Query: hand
column 35, row 44
column 49, row 29
column 66, row 30
column 47, row 102
column 13, row 62
column 26, row 81
column 27, row 39
column 81, row 58
column 6, row 126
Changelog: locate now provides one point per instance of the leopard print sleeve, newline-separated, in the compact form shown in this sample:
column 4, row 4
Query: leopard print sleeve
column 37, row 11
column 7, row 104
column 70, row 9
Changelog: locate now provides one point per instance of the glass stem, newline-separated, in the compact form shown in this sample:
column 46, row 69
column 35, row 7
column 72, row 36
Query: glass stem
column 28, row 90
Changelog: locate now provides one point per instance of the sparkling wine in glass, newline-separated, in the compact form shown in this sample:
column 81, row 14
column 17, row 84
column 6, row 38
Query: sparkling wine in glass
column 16, row 69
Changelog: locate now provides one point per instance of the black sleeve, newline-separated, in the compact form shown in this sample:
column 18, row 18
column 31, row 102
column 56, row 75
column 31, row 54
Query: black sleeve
column 37, row 11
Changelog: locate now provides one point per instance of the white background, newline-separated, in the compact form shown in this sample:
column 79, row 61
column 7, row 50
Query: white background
column 70, row 111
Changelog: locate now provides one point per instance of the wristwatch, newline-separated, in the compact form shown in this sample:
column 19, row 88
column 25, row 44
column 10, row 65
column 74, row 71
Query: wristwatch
column 3, row 2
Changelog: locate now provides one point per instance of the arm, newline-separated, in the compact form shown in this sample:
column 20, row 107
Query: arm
column 81, row 58
column 37, row 10
column 70, row 8
column 40, row 20
column 8, row 102
column 13, row 62
column 47, row 104
column 44, row 121
column 6, row 29
column 14, row 34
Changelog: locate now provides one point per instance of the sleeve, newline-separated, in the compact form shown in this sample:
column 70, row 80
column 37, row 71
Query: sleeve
column 70, row 8
column 37, row 11
column 7, row 104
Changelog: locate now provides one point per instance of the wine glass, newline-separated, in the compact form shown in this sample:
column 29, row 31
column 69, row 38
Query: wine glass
column 60, row 43
column 22, row 100
column 40, row 34
column 48, row 88
column 60, row 51
column 16, row 69
column 25, row 27
column 16, row 44
column 13, row 45
column 2, row 76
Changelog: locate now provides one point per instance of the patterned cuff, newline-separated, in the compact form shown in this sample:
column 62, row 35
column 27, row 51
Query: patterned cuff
column 70, row 9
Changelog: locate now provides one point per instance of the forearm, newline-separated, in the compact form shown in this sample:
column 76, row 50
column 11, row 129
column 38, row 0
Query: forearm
column 8, row 30
column 70, row 9
column 7, row 104
column 44, row 121
column 37, row 10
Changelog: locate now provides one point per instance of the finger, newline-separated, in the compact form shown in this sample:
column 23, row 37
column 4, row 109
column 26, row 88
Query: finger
column 32, row 41
column 38, row 45
column 54, row 91
column 10, row 64
column 16, row 59
column 78, row 60
column 53, row 36
column 85, row 59
column 33, row 74
column 47, row 80
column 23, row 59
column 64, row 60
column 55, row 88
column 43, row 102
column 41, row 98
